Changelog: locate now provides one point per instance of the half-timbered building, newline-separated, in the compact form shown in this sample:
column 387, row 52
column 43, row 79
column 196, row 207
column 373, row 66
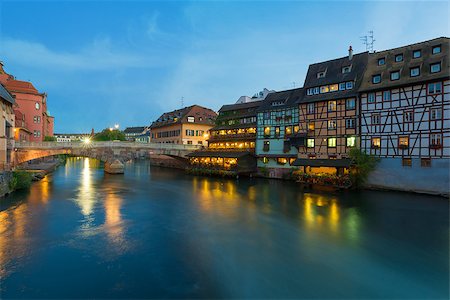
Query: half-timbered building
column 405, row 115
column 329, row 113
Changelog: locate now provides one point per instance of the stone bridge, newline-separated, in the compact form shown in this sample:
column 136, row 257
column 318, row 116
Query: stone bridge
column 113, row 154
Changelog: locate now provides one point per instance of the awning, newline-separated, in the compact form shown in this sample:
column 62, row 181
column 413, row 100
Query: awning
column 227, row 154
column 339, row 163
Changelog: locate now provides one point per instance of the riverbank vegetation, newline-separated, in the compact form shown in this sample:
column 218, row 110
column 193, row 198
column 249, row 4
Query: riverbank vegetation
column 110, row 135
column 362, row 165
column 21, row 180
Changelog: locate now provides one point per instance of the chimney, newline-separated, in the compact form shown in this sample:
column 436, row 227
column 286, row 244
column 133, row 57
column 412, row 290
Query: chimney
column 350, row 53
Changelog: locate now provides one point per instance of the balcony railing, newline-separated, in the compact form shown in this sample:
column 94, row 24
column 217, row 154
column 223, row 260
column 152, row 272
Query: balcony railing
column 232, row 136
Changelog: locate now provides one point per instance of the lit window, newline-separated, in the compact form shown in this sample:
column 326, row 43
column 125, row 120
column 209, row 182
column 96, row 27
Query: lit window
column 406, row 162
column 310, row 143
column 434, row 68
column 332, row 105
column 332, row 124
column 386, row 95
column 408, row 116
column 351, row 141
column 350, row 103
column 395, row 75
column 267, row 131
column 371, row 98
column 342, row 86
column 265, row 160
column 376, row 119
column 311, row 126
column 281, row 160
column 332, row 142
column 417, row 54
column 376, row 79
column 333, row 87
column 321, row 75
column 435, row 114
column 310, row 108
column 349, row 85
column 434, row 88
column 277, row 131
column 381, row 61
column 346, row 69
column 436, row 49
column 414, row 72
column 376, row 142
column 324, row 89
column 191, row 119
column 350, row 123
column 399, row 58
column 403, row 142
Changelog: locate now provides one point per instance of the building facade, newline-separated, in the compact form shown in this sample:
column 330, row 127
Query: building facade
column 405, row 115
column 329, row 113
column 277, row 126
column 6, row 128
column 132, row 132
column 30, row 108
column 188, row 125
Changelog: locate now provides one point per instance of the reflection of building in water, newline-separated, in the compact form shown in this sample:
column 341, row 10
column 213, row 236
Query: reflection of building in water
column 113, row 218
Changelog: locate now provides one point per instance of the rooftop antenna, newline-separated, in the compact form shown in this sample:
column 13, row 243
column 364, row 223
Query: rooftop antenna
column 182, row 102
column 368, row 41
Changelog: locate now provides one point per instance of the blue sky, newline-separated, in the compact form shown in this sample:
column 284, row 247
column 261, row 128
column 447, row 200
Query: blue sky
column 106, row 62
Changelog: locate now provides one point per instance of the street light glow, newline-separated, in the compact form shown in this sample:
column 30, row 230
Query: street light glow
column 86, row 140
column 116, row 126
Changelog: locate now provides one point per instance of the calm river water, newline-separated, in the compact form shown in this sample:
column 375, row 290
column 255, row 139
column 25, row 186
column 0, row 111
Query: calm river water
column 158, row 233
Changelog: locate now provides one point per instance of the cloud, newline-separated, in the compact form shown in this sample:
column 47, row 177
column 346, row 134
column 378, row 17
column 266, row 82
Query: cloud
column 99, row 55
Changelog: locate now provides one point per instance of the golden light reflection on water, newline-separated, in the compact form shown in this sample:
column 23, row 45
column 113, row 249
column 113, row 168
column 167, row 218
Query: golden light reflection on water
column 86, row 193
column 113, row 218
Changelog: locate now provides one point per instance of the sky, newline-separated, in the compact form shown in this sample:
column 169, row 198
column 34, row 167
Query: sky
column 127, row 62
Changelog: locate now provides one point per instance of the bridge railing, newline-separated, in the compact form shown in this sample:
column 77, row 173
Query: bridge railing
column 108, row 144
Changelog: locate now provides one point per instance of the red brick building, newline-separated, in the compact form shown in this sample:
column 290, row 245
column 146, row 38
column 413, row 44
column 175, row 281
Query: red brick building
column 33, row 122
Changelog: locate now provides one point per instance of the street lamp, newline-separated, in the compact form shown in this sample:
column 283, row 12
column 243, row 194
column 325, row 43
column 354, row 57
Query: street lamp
column 86, row 140
column 116, row 126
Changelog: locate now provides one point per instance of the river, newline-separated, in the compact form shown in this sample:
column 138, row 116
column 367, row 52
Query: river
column 159, row 233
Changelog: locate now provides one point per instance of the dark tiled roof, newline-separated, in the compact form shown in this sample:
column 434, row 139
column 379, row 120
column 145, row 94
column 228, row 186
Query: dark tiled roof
column 179, row 116
column 408, row 62
column 134, row 129
column 227, row 154
column 334, row 75
column 5, row 94
column 240, row 106
column 288, row 98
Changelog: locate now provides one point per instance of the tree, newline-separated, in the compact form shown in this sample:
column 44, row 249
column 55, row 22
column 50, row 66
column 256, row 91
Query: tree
column 362, row 165
column 49, row 139
column 110, row 135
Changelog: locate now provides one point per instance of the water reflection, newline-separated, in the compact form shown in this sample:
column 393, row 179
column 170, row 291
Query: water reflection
column 86, row 197
column 113, row 218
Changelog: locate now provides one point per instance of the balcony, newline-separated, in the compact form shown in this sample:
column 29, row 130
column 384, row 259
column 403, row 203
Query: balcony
column 232, row 137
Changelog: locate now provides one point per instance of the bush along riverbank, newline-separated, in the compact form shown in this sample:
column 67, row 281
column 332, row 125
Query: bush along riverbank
column 20, row 180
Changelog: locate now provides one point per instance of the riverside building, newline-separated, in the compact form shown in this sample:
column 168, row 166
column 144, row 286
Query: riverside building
column 6, row 128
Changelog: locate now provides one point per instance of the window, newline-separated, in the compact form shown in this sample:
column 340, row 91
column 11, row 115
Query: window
column 37, row 105
column 434, row 68
column 436, row 49
column 403, row 142
column 386, row 95
column 189, row 142
column 349, row 85
column 346, row 69
column 342, row 86
column 309, row 92
column 266, row 146
column 408, row 116
column 267, row 131
column 324, row 89
column 332, row 142
column 310, row 143
column 316, row 90
column 191, row 119
column 434, row 88
column 288, row 130
column 321, row 75
column 425, row 162
column 190, row 132
column 332, row 124
column 350, row 103
column 399, row 58
column 200, row 142
column 36, row 119
column 435, row 114
column 417, row 53
column 376, row 119
column 406, row 162
column 311, row 126
column 436, row 139
column 376, row 142
column 310, row 108
column 414, row 72
column 334, row 87
column 281, row 160
column 395, row 75
column 351, row 141
column 371, row 98
column 332, row 105
column 381, row 61
column 277, row 131
column 265, row 160
column 350, row 123
column 376, row 79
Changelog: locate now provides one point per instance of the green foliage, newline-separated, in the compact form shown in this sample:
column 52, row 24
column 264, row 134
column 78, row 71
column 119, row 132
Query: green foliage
column 20, row 180
column 363, row 164
column 109, row 135
column 49, row 139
